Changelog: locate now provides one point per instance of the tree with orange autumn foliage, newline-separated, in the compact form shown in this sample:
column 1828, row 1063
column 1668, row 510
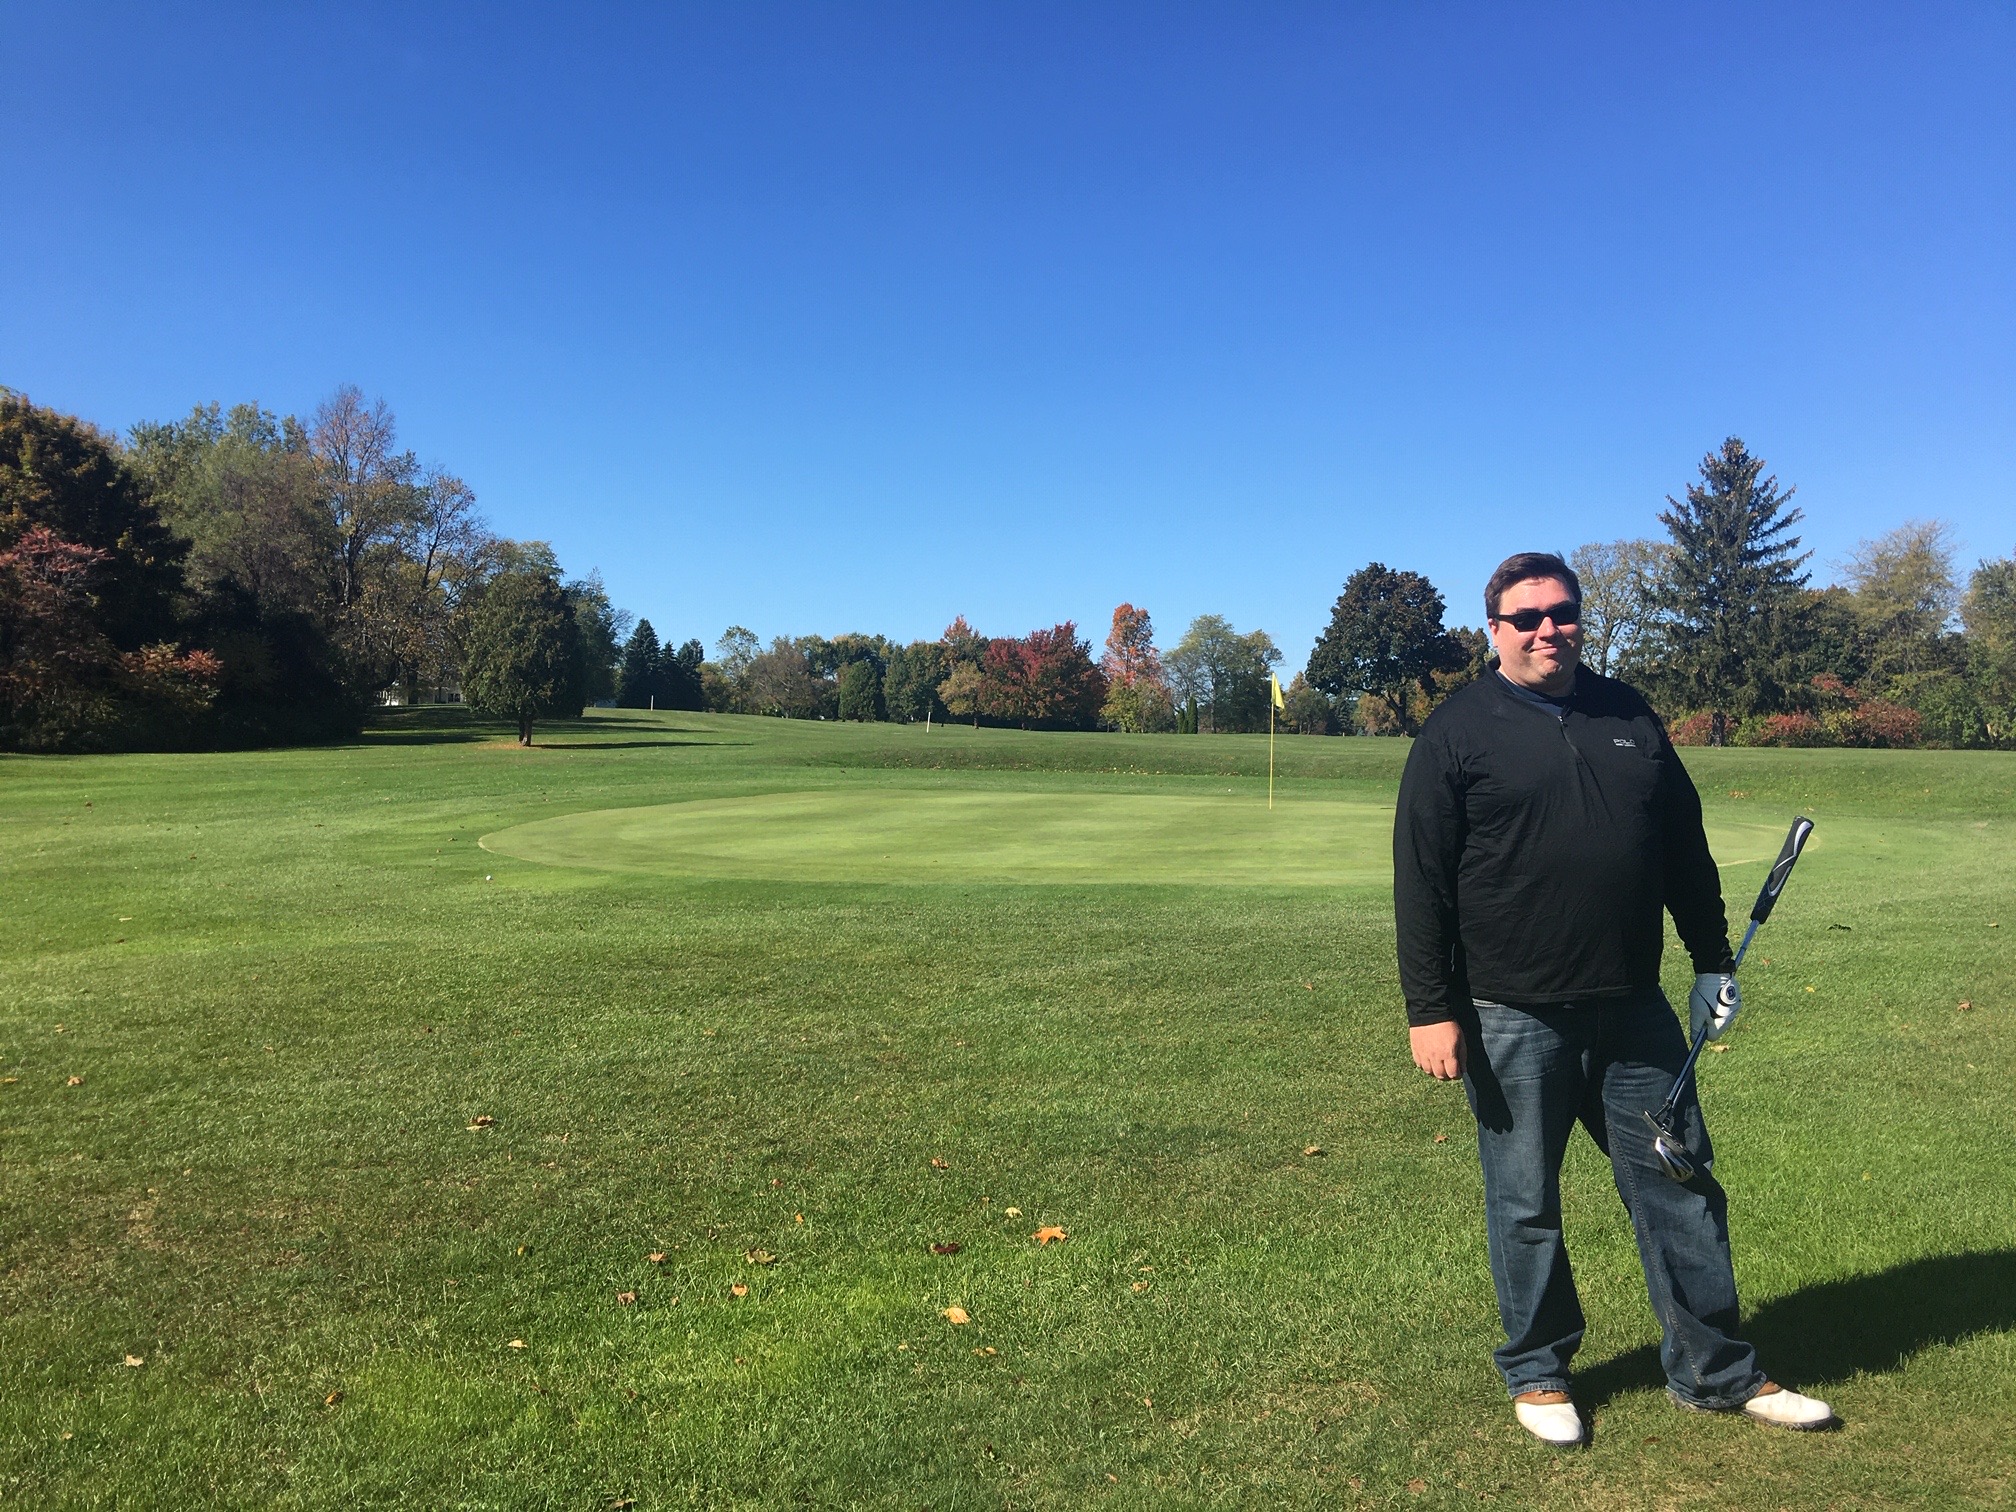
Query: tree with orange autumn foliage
column 1138, row 697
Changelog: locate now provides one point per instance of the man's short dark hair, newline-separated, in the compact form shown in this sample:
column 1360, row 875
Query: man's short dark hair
column 1523, row 565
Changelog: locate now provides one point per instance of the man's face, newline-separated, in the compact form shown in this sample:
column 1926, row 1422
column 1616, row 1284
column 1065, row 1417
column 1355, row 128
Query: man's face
column 1545, row 657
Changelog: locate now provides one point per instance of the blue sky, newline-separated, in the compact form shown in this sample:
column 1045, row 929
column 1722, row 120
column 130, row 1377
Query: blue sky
column 825, row 317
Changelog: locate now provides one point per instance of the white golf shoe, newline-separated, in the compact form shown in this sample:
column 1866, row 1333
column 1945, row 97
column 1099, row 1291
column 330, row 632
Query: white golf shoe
column 1550, row 1416
column 1783, row 1408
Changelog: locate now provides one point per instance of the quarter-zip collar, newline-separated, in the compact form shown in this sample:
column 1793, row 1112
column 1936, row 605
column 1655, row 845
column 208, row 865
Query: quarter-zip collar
column 1558, row 707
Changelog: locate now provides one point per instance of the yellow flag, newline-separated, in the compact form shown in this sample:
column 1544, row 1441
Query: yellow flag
column 1277, row 691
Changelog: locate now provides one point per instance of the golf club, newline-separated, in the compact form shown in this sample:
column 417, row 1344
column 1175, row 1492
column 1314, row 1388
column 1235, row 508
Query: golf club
column 1667, row 1147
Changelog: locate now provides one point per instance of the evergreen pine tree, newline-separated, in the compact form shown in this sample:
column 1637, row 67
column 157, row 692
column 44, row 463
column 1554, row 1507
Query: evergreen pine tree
column 679, row 685
column 637, row 681
column 1732, row 588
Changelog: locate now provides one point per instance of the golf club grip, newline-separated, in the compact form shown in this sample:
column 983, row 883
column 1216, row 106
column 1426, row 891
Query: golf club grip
column 1781, row 869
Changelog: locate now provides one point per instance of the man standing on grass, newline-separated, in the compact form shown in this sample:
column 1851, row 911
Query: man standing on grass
column 1544, row 824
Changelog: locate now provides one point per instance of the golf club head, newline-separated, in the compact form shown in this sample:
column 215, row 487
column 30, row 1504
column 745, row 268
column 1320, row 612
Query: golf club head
column 1670, row 1152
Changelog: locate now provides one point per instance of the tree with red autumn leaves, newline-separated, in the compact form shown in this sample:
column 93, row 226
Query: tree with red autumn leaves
column 1046, row 680
column 47, row 638
column 63, row 683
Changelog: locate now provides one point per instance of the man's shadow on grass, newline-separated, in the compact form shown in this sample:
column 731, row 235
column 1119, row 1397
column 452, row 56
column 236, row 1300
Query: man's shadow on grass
column 1829, row 1332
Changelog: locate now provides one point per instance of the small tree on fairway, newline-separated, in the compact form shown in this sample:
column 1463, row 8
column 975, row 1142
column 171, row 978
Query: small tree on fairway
column 525, row 660
column 1731, row 590
column 858, row 688
column 1385, row 639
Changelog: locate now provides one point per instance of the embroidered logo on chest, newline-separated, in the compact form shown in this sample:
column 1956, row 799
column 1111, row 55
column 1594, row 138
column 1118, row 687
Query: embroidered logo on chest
column 1620, row 740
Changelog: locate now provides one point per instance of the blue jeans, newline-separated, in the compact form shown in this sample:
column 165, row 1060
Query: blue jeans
column 1532, row 1073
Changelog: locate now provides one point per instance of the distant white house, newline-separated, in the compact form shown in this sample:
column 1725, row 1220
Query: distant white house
column 395, row 697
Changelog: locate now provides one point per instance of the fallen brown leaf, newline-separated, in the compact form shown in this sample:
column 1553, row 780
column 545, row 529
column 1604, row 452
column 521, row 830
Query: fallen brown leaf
column 1966, row 1007
column 955, row 1314
column 987, row 1349
column 515, row 1344
column 950, row 1247
column 1048, row 1232
column 75, row 1081
column 1013, row 1212
column 656, row 1257
column 738, row 1289
column 1441, row 1139
column 797, row 1217
column 524, row 1249
column 1141, row 1286
column 1312, row 1149
column 1719, row 1049
column 482, row 1121
column 759, row 1257
column 940, row 1165
column 134, row 1362
column 332, row 1399
column 624, row 1299
column 1417, row 1485
column 622, row 1504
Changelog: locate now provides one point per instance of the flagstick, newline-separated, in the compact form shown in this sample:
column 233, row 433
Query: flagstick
column 1270, row 755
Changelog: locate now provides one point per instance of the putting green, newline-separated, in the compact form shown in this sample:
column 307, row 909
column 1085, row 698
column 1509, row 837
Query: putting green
column 963, row 835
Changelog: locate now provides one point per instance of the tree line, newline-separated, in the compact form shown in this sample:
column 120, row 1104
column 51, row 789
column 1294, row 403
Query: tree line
column 244, row 578
column 238, row 577
column 1719, row 623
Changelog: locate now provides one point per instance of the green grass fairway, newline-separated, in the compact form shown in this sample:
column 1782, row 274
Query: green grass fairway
column 637, row 1152
column 932, row 834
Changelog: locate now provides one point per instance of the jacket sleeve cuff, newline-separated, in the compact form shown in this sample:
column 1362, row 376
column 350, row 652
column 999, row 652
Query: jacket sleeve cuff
column 1422, row 1014
column 1714, row 962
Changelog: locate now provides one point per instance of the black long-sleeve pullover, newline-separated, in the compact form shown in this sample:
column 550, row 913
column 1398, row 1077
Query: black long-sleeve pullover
column 1533, row 851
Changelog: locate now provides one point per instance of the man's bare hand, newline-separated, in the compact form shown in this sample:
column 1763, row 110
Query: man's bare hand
column 1438, row 1050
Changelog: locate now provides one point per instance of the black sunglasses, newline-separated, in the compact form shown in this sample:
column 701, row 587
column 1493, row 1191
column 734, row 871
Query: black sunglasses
column 1526, row 621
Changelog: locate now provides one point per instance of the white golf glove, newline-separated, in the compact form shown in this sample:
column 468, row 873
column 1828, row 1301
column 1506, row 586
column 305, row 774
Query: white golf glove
column 1715, row 1001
